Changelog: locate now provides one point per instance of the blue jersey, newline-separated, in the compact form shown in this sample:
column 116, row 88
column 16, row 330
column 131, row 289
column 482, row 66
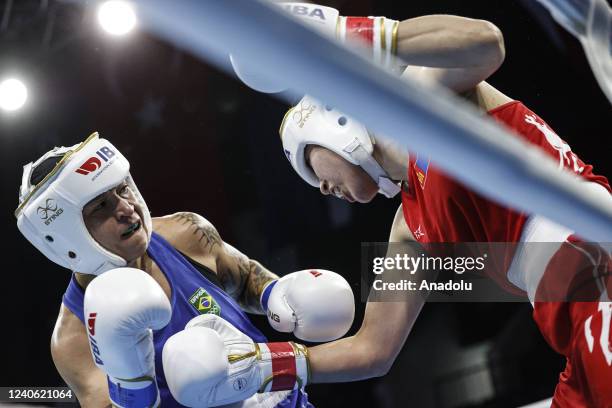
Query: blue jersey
column 192, row 294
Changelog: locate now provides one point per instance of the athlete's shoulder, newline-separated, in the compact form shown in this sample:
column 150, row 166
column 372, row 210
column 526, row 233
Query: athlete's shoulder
column 399, row 228
column 188, row 232
column 67, row 327
column 72, row 358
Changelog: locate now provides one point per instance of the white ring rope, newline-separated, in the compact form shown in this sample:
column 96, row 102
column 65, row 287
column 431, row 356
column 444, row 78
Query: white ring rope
column 591, row 22
column 471, row 148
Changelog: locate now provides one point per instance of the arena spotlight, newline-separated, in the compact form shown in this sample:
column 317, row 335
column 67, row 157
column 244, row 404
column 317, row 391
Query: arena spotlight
column 117, row 17
column 13, row 94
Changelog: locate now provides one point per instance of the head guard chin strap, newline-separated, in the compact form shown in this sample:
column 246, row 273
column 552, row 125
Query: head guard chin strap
column 50, row 213
column 312, row 123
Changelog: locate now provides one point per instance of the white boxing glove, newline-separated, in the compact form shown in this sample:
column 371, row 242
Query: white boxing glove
column 121, row 308
column 379, row 34
column 376, row 33
column 260, row 81
column 212, row 363
column 315, row 304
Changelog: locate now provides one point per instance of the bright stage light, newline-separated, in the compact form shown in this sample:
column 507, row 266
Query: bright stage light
column 117, row 17
column 13, row 94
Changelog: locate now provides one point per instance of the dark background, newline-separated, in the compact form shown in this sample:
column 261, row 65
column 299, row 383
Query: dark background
column 198, row 140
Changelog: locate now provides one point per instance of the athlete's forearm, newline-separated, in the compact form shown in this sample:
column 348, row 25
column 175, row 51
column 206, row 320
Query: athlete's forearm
column 344, row 360
column 242, row 278
column 372, row 351
column 257, row 278
column 446, row 41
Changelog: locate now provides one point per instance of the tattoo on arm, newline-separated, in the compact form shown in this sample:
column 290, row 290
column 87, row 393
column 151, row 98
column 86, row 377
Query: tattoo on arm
column 204, row 231
column 241, row 277
column 246, row 281
column 257, row 279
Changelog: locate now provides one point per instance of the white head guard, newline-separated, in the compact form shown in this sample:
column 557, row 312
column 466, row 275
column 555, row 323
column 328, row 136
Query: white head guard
column 50, row 213
column 312, row 123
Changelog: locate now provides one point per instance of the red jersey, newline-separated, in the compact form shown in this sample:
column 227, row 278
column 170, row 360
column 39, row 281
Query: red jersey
column 438, row 208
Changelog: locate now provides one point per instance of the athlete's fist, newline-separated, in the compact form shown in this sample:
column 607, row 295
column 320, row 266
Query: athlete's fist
column 212, row 363
column 315, row 304
column 122, row 307
column 320, row 18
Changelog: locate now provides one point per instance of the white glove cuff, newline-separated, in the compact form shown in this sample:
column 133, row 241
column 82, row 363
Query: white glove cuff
column 283, row 366
column 378, row 33
column 265, row 294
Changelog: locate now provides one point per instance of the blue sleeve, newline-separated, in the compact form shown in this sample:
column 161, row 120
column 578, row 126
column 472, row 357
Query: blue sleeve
column 73, row 298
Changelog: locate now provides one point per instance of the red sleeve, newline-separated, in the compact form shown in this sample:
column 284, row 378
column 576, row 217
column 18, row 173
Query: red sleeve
column 536, row 131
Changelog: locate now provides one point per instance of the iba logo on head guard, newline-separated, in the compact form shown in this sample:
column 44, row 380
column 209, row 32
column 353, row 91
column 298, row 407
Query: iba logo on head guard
column 49, row 212
column 204, row 303
column 93, row 163
column 303, row 112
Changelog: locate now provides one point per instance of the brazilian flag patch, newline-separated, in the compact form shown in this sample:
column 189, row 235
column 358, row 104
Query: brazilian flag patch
column 204, row 303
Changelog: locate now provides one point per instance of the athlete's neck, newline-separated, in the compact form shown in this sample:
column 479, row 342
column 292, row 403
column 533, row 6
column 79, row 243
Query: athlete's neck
column 392, row 157
column 144, row 263
column 486, row 97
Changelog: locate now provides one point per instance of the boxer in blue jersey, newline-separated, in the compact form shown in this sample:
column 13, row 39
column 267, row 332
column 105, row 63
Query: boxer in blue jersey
column 138, row 281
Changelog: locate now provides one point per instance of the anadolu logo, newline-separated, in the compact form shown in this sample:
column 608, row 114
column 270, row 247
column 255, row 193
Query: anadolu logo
column 94, row 163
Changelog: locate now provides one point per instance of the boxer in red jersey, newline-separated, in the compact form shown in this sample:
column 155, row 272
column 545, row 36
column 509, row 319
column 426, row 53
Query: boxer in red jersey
column 337, row 154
